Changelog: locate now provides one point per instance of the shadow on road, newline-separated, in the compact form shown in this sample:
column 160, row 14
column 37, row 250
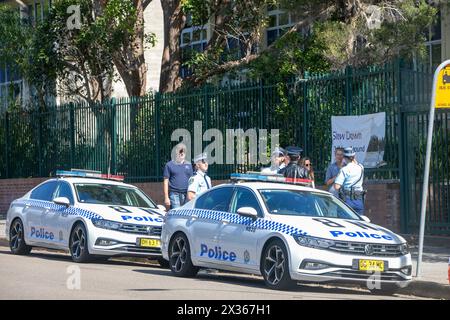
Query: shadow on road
column 58, row 255
column 250, row 282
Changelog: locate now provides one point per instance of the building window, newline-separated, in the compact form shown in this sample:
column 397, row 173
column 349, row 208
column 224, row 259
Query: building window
column 279, row 22
column 193, row 39
column 434, row 44
column 10, row 87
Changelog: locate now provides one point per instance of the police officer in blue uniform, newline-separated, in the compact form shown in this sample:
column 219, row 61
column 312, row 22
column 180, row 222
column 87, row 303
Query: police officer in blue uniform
column 200, row 181
column 349, row 182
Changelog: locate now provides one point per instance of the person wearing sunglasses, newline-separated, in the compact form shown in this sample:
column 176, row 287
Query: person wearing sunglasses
column 200, row 181
column 306, row 163
column 176, row 178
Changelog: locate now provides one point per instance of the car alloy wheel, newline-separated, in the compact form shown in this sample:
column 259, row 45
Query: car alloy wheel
column 180, row 257
column 17, row 239
column 179, row 252
column 274, row 265
column 78, row 242
column 16, row 235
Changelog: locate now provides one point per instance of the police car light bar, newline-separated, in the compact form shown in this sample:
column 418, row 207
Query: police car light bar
column 270, row 178
column 88, row 174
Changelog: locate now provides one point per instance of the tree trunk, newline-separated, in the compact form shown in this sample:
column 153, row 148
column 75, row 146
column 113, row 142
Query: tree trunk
column 174, row 21
column 130, row 61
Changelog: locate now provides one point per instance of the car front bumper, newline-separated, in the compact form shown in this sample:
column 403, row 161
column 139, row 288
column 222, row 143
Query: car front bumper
column 120, row 243
column 339, row 267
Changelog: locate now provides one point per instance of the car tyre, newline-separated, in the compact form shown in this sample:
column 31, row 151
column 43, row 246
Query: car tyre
column 275, row 266
column 180, row 262
column 17, row 243
column 386, row 289
column 163, row 263
column 79, row 244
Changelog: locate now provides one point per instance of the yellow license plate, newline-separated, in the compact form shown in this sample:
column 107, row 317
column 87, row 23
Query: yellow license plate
column 151, row 243
column 371, row 265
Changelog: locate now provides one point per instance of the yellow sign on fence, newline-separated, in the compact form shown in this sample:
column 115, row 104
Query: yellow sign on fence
column 443, row 88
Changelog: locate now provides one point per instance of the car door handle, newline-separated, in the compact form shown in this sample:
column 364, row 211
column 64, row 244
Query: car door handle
column 225, row 221
column 194, row 217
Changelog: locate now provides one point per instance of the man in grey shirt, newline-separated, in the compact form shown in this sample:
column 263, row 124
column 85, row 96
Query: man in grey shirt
column 333, row 170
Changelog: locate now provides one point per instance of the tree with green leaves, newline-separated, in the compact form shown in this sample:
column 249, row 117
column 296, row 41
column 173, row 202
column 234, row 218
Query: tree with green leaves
column 28, row 49
column 327, row 35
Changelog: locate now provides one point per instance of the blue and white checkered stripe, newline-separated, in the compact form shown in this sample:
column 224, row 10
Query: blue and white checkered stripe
column 259, row 223
column 72, row 211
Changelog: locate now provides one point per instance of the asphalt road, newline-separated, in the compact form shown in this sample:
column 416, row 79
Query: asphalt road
column 52, row 275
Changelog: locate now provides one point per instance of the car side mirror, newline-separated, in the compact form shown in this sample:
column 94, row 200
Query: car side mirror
column 365, row 219
column 248, row 212
column 63, row 201
column 161, row 207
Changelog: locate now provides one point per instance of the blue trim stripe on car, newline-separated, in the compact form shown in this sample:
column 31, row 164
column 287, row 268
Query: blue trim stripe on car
column 259, row 223
column 60, row 208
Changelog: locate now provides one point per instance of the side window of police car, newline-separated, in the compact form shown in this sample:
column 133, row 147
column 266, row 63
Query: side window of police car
column 217, row 199
column 65, row 191
column 44, row 192
column 244, row 197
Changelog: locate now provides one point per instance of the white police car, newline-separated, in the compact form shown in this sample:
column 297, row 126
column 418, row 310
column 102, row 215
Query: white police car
column 88, row 215
column 284, row 232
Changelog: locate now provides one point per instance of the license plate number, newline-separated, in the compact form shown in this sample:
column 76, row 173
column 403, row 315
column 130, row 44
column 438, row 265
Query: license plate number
column 149, row 243
column 371, row 265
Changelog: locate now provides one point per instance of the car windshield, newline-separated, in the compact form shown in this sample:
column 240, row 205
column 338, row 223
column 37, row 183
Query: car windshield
column 305, row 203
column 112, row 195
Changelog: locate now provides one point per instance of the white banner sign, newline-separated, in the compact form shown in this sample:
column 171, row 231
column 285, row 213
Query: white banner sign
column 365, row 134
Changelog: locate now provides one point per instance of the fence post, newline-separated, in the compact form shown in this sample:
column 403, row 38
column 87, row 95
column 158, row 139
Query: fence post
column 157, row 134
column 113, row 136
column 305, row 116
column 348, row 90
column 72, row 135
column 7, row 144
column 402, row 146
column 261, row 106
column 39, row 117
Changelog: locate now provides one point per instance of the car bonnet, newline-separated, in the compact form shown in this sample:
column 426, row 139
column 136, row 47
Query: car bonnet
column 126, row 214
column 340, row 229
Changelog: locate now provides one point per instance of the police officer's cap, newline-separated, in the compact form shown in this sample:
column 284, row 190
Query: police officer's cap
column 294, row 151
column 348, row 152
column 280, row 152
column 200, row 157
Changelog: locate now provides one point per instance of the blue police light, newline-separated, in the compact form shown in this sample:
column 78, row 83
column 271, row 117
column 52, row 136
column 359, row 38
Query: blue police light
column 88, row 174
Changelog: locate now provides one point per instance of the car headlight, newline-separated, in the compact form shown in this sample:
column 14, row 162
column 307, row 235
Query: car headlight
column 313, row 242
column 403, row 248
column 106, row 224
